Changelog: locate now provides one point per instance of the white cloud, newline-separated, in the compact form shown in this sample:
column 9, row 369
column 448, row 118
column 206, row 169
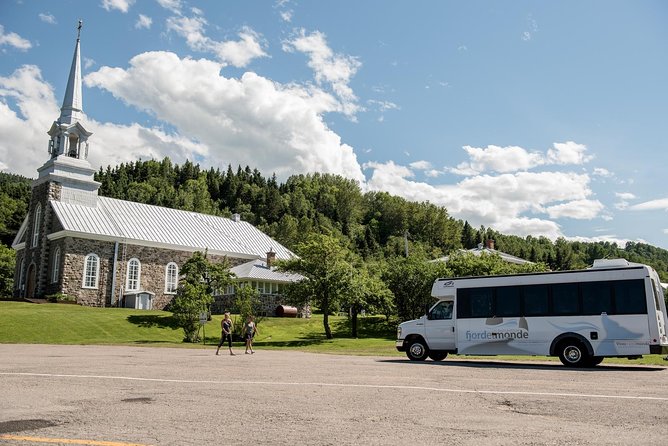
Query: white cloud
column 88, row 62
column 665, row 231
column 329, row 67
column 497, row 159
column 172, row 5
column 623, row 197
column 14, row 40
column 47, row 18
column 286, row 16
column 602, row 172
column 143, row 22
column 503, row 202
column 660, row 204
column 237, row 53
column 36, row 109
column 568, row 153
column 421, row 165
column 121, row 5
column 248, row 121
column 577, row 209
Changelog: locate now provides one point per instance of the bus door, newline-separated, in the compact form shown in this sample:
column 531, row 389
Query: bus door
column 440, row 326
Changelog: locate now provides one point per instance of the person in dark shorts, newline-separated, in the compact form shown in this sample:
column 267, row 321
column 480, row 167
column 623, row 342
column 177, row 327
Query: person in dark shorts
column 251, row 331
column 226, row 326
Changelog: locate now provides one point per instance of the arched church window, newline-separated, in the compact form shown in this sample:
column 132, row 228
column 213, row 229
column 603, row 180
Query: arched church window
column 74, row 146
column 134, row 273
column 55, row 268
column 36, row 224
column 91, row 271
column 171, row 278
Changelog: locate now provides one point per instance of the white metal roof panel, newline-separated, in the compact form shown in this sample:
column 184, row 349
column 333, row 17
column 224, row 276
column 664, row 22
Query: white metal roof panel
column 257, row 270
column 139, row 222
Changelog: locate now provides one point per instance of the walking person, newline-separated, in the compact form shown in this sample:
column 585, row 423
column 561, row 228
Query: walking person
column 226, row 326
column 251, row 331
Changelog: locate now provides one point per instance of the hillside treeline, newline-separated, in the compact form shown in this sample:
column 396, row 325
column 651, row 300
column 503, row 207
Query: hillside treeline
column 374, row 225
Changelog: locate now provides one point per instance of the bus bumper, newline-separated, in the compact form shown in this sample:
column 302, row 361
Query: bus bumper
column 400, row 345
column 658, row 349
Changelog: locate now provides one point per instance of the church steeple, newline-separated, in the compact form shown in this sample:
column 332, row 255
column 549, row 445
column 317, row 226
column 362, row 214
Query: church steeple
column 68, row 135
column 68, row 169
column 72, row 108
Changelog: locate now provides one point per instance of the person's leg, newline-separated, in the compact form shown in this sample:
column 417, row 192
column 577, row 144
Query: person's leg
column 229, row 343
column 222, row 339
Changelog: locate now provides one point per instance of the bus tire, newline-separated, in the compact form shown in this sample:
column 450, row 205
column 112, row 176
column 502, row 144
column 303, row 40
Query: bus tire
column 438, row 356
column 572, row 353
column 417, row 350
column 595, row 360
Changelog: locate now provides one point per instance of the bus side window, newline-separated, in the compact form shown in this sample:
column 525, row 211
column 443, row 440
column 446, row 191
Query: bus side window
column 481, row 302
column 535, row 299
column 630, row 297
column 565, row 299
column 596, row 298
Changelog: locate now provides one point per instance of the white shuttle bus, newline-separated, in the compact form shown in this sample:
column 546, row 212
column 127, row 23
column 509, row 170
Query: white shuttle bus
column 613, row 309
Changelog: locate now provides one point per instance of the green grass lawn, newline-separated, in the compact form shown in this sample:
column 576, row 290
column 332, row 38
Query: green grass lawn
column 27, row 323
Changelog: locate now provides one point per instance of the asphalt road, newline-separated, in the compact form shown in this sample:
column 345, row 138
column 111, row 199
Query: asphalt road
column 115, row 396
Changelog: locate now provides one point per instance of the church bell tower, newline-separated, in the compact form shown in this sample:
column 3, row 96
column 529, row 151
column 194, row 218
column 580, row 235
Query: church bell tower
column 68, row 172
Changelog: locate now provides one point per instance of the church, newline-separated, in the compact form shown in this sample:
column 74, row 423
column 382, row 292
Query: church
column 107, row 252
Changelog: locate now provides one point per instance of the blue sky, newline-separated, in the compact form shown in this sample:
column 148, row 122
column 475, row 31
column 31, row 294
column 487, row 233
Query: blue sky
column 533, row 118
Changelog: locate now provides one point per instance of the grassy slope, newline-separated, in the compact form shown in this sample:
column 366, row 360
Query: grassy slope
column 72, row 324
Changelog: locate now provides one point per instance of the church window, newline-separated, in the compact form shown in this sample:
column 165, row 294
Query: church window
column 55, row 268
column 134, row 273
column 91, row 271
column 171, row 278
column 36, row 224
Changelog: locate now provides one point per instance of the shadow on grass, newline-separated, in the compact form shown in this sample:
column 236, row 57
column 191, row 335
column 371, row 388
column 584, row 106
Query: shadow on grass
column 153, row 321
column 367, row 327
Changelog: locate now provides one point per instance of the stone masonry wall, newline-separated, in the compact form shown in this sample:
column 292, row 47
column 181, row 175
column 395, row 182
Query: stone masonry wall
column 153, row 263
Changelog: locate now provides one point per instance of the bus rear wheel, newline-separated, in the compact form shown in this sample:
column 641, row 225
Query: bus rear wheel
column 573, row 354
column 417, row 350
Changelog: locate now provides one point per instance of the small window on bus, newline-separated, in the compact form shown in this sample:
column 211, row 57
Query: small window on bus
column 508, row 301
column 565, row 299
column 536, row 301
column 596, row 297
column 481, row 302
column 630, row 297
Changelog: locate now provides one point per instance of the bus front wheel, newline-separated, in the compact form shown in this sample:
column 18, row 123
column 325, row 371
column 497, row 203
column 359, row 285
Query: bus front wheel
column 573, row 354
column 417, row 350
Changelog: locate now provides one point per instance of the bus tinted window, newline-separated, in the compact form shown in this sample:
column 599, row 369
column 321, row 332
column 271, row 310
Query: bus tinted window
column 596, row 297
column 481, row 302
column 536, row 300
column 565, row 299
column 630, row 297
column 508, row 301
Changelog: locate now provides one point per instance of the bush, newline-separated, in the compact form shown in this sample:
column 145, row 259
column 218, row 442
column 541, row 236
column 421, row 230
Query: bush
column 60, row 298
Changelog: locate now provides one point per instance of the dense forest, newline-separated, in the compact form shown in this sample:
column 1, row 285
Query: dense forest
column 376, row 226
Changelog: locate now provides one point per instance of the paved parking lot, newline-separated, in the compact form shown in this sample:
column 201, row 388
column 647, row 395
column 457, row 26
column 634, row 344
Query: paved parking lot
column 101, row 395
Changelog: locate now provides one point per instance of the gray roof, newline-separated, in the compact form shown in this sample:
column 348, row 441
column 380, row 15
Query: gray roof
column 258, row 270
column 138, row 223
column 479, row 251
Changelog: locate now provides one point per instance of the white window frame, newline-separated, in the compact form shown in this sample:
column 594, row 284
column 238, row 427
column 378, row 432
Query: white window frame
column 36, row 224
column 55, row 266
column 171, row 281
column 134, row 281
column 94, row 275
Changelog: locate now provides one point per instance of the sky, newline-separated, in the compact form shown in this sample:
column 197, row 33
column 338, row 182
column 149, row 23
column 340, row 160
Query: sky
column 532, row 118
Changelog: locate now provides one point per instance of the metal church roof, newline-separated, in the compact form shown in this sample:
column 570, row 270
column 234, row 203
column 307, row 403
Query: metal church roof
column 144, row 224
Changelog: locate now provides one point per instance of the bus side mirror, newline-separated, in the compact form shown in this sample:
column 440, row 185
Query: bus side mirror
column 426, row 311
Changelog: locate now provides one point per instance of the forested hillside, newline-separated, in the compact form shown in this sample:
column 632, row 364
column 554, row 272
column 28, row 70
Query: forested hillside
column 375, row 225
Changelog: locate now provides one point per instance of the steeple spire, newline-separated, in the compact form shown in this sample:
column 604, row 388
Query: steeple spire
column 72, row 109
